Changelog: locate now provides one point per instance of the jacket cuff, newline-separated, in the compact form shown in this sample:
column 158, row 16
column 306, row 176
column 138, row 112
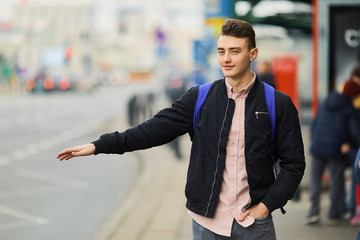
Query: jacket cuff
column 269, row 204
column 98, row 145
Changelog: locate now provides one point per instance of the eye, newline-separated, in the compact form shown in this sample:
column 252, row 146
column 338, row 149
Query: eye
column 221, row 52
column 235, row 51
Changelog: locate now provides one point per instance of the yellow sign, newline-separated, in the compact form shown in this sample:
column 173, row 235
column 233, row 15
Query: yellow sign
column 216, row 23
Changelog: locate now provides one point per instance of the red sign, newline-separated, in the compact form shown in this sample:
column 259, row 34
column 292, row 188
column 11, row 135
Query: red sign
column 286, row 76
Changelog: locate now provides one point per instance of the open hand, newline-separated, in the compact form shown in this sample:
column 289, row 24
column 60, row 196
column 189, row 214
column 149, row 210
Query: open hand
column 82, row 150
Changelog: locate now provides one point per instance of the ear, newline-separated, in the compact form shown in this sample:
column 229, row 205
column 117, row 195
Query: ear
column 253, row 54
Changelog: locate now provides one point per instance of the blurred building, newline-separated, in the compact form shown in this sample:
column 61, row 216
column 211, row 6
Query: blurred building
column 89, row 36
column 99, row 38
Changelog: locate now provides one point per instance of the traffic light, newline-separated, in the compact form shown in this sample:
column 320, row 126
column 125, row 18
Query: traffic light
column 69, row 52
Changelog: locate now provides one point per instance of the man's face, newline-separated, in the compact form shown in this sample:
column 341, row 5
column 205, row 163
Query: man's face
column 234, row 56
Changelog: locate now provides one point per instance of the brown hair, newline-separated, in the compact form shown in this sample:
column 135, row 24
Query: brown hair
column 239, row 28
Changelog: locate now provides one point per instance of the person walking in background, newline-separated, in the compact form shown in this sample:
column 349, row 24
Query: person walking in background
column 334, row 125
column 175, row 87
column 357, row 178
column 264, row 73
column 352, row 205
column 231, row 189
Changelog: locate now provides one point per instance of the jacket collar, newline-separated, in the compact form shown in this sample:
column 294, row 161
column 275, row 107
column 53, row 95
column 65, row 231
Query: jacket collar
column 255, row 89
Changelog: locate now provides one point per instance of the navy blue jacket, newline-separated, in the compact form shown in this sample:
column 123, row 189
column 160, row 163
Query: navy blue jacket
column 334, row 124
column 208, row 152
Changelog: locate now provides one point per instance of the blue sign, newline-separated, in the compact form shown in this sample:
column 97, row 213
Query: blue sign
column 202, row 50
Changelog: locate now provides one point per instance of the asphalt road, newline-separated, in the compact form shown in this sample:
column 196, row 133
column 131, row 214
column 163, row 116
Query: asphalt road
column 43, row 198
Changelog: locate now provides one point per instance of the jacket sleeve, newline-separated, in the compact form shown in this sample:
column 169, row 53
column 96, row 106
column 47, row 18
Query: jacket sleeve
column 164, row 127
column 354, row 129
column 289, row 149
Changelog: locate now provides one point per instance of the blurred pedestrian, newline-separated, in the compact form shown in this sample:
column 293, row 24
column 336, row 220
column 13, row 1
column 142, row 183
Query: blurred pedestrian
column 334, row 125
column 264, row 72
column 175, row 87
column 357, row 178
column 352, row 205
column 231, row 189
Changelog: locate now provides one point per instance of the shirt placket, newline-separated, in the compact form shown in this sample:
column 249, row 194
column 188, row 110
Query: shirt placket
column 241, row 174
column 234, row 160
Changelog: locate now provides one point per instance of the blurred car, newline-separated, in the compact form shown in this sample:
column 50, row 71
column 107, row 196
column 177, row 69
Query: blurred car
column 45, row 81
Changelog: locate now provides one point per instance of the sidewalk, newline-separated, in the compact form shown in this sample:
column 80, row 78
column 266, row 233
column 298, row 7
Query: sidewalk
column 7, row 89
column 154, row 207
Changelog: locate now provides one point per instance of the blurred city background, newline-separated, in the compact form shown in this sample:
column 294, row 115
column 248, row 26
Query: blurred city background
column 72, row 70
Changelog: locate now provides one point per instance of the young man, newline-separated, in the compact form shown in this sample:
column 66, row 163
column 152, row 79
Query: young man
column 231, row 189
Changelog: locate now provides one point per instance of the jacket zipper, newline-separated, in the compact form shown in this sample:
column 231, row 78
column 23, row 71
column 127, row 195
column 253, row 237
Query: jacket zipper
column 258, row 113
column 217, row 159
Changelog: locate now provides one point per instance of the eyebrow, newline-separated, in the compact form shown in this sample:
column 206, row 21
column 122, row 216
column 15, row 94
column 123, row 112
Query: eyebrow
column 232, row 48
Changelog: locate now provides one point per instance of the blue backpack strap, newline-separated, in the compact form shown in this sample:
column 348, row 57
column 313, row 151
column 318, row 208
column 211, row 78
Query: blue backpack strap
column 200, row 100
column 270, row 103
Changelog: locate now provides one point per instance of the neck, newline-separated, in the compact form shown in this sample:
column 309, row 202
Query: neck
column 239, row 83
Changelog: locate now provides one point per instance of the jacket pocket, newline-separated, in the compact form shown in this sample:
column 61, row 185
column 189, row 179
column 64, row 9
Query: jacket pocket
column 259, row 114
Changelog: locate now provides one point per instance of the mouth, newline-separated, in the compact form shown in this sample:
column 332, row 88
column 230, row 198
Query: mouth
column 228, row 67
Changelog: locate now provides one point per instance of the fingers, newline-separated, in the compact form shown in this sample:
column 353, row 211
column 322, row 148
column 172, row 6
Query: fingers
column 68, row 153
column 77, row 151
column 244, row 215
column 256, row 211
column 65, row 155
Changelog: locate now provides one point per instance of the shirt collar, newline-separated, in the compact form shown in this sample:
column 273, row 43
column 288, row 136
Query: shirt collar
column 230, row 90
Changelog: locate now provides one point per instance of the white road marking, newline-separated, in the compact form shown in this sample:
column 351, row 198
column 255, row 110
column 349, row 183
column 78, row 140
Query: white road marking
column 18, row 154
column 22, row 215
column 50, row 178
column 28, row 191
column 44, row 144
column 4, row 160
column 32, row 149
column 14, row 225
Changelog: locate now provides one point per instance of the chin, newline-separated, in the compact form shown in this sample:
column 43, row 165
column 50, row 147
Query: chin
column 229, row 75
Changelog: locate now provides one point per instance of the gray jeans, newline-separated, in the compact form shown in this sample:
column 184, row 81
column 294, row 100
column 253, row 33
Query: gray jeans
column 262, row 229
column 337, row 168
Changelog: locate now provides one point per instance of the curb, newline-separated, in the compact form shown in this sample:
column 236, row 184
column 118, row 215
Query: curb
column 7, row 89
column 154, row 207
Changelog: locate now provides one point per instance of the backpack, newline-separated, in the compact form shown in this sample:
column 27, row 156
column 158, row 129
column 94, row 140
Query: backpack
column 270, row 103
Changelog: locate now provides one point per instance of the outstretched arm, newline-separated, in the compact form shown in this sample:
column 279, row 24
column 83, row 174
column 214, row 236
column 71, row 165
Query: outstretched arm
column 82, row 150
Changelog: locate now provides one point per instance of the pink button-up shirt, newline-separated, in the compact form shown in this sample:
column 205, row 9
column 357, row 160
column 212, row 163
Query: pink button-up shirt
column 234, row 195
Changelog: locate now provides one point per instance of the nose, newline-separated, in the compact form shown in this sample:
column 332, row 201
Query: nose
column 227, row 57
